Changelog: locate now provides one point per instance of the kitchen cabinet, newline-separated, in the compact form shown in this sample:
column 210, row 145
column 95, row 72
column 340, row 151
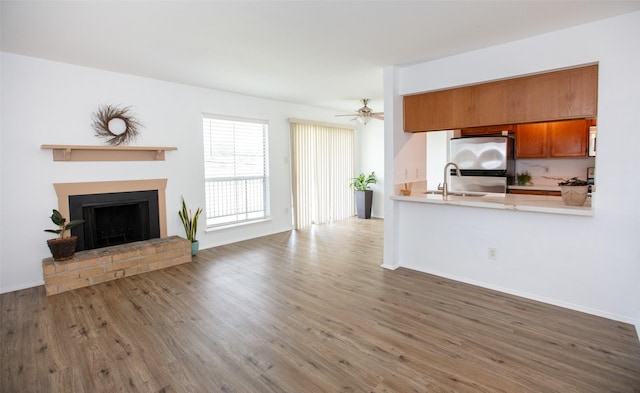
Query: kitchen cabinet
column 489, row 130
column 557, row 95
column 560, row 139
column 535, row 192
column 531, row 140
column 429, row 111
column 568, row 138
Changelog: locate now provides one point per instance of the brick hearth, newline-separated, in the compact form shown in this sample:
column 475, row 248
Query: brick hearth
column 110, row 263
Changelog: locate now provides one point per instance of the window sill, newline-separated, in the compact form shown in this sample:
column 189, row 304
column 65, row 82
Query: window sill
column 235, row 225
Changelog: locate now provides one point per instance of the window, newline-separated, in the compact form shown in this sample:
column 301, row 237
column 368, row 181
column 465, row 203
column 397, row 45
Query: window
column 236, row 170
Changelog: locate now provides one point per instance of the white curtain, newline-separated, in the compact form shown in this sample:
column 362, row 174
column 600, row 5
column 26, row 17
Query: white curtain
column 322, row 166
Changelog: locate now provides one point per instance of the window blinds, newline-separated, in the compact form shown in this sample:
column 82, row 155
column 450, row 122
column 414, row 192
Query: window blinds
column 236, row 169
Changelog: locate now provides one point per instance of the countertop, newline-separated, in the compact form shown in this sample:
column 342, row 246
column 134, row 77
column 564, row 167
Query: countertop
column 516, row 202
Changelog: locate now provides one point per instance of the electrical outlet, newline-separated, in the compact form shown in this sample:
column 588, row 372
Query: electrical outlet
column 493, row 253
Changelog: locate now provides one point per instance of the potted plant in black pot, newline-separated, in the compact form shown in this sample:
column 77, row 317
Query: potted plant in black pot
column 574, row 191
column 364, row 196
column 62, row 248
column 190, row 223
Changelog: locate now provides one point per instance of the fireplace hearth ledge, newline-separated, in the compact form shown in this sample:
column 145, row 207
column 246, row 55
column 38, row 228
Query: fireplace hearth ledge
column 110, row 263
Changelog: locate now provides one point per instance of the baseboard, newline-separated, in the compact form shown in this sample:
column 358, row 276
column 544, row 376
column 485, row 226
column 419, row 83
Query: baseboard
column 542, row 299
column 21, row 286
column 390, row 267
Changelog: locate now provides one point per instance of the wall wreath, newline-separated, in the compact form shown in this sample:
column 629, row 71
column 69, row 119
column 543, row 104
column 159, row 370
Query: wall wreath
column 117, row 124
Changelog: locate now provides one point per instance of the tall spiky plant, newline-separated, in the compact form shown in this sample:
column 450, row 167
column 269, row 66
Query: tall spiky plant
column 189, row 222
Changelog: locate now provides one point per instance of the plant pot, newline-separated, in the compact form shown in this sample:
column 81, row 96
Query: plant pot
column 364, row 201
column 195, row 245
column 62, row 249
column 574, row 195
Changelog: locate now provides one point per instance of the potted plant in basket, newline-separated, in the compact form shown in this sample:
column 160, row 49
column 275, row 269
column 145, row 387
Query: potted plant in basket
column 574, row 191
column 190, row 224
column 364, row 196
column 62, row 248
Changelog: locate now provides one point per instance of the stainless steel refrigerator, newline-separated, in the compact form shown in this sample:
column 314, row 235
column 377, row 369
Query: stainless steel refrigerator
column 486, row 163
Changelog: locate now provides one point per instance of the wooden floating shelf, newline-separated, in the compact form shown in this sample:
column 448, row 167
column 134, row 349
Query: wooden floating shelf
column 107, row 153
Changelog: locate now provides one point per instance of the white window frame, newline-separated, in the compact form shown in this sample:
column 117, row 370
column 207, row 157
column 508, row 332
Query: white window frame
column 236, row 185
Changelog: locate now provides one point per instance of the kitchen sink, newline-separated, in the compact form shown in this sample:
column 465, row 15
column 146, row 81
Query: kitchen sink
column 457, row 193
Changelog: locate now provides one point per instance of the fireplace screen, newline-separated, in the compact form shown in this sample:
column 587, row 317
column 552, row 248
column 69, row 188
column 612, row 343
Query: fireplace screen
column 115, row 218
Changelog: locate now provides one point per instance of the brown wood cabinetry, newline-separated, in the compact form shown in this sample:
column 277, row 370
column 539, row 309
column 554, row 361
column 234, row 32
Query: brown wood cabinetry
column 431, row 110
column 535, row 192
column 489, row 130
column 558, row 95
column 557, row 139
column 532, row 141
column 568, row 138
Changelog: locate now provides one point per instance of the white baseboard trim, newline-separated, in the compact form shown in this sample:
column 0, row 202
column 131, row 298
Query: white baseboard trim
column 21, row 286
column 542, row 299
column 390, row 267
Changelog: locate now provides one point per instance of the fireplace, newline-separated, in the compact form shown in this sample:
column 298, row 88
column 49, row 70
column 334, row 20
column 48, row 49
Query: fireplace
column 115, row 218
column 134, row 194
column 126, row 205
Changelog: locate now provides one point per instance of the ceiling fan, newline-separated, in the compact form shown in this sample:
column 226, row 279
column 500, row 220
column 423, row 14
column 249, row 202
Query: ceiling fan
column 364, row 114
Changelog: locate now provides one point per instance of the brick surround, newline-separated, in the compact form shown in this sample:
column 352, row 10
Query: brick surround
column 110, row 263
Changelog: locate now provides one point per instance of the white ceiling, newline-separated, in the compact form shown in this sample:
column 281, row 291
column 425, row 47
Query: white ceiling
column 323, row 53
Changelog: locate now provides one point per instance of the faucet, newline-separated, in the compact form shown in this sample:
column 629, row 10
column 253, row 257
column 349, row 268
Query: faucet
column 445, row 189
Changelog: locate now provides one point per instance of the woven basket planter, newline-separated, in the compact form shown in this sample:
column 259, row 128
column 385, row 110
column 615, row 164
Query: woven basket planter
column 62, row 249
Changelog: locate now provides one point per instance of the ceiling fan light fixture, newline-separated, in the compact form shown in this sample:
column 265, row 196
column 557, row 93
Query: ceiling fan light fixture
column 364, row 114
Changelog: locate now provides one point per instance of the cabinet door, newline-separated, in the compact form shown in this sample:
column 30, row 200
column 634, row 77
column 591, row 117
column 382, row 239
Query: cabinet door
column 567, row 94
column 426, row 112
column 531, row 140
column 568, row 138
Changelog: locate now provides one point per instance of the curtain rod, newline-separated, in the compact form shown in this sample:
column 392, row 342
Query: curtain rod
column 319, row 123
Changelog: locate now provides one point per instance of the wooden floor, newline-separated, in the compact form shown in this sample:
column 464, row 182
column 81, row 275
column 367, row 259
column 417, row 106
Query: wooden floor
column 305, row 311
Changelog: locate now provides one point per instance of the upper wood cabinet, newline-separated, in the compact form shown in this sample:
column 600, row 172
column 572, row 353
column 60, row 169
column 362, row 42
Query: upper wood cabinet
column 428, row 112
column 558, row 95
column 558, row 139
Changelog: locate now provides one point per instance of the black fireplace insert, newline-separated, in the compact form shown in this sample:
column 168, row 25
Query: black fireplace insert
column 115, row 218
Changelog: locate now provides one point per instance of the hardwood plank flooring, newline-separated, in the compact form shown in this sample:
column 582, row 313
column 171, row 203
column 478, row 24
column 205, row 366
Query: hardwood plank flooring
column 305, row 311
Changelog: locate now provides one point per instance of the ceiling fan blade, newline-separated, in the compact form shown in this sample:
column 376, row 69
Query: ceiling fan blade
column 365, row 113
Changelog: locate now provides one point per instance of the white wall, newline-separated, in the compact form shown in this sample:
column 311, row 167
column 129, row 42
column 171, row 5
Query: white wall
column 585, row 263
column 369, row 158
column 45, row 102
column 437, row 157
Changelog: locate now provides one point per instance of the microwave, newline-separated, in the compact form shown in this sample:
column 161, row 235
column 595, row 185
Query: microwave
column 593, row 131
